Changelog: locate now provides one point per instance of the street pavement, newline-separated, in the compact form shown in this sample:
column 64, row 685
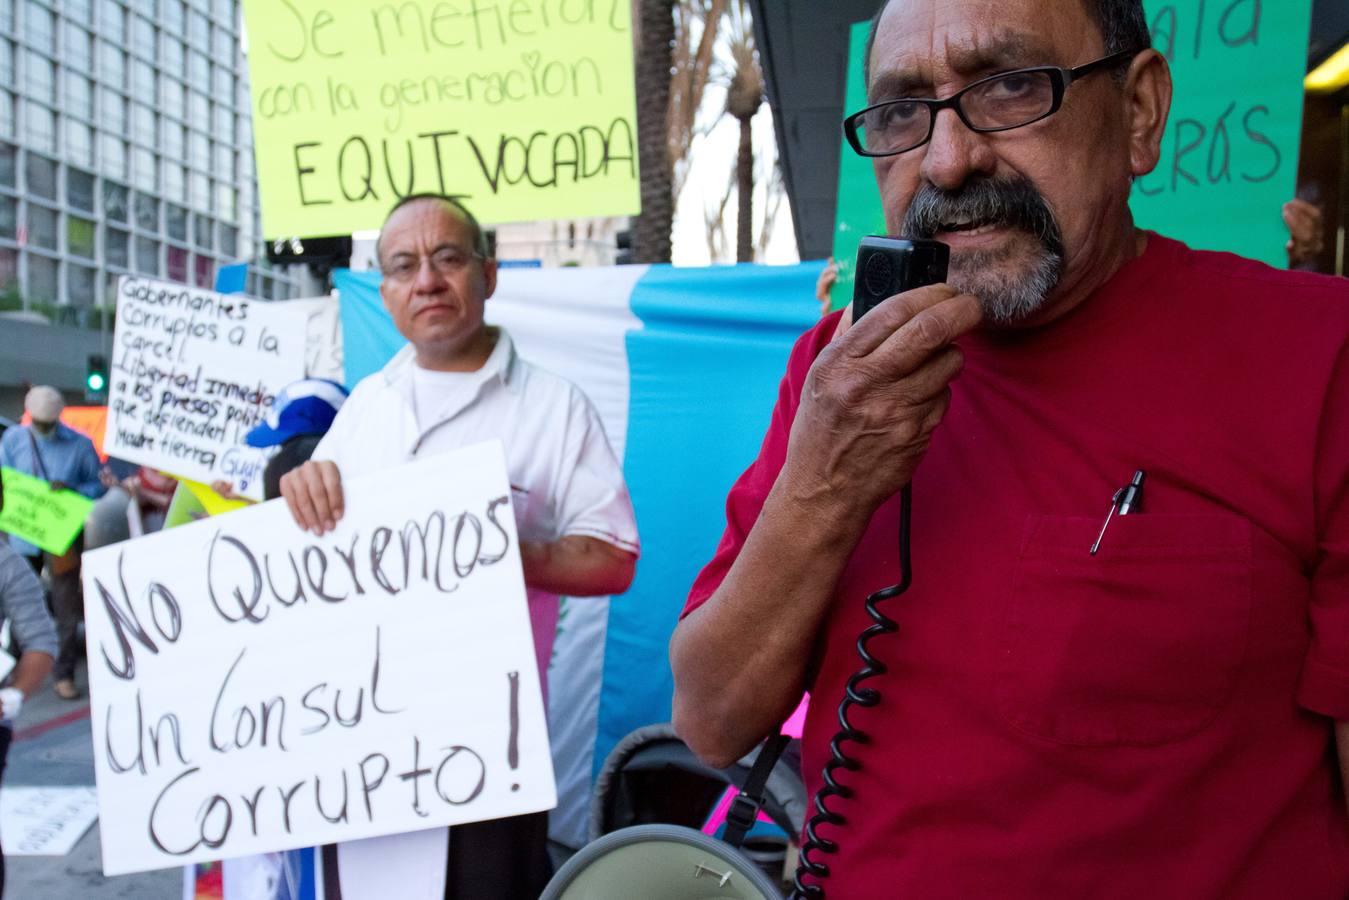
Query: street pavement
column 53, row 746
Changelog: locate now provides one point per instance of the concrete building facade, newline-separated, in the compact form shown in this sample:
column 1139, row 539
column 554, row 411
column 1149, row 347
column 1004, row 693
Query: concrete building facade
column 125, row 147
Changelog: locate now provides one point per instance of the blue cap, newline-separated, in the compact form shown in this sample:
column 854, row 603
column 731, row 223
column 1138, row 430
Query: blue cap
column 307, row 406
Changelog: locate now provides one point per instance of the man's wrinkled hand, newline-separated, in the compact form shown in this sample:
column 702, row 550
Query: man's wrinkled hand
column 313, row 492
column 875, row 395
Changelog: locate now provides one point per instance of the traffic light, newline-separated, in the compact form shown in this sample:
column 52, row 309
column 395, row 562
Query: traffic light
column 96, row 378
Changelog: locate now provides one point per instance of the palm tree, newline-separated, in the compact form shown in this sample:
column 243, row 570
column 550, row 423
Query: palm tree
column 654, row 46
column 692, row 73
column 673, row 69
column 743, row 99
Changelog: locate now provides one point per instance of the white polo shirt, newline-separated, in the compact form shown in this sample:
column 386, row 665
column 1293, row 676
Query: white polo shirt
column 564, row 477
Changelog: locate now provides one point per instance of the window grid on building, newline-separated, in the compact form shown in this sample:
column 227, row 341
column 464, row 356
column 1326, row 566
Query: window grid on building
column 123, row 150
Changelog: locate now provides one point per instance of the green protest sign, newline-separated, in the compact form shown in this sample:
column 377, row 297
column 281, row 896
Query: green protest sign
column 1229, row 158
column 859, row 205
column 37, row 514
column 1230, row 153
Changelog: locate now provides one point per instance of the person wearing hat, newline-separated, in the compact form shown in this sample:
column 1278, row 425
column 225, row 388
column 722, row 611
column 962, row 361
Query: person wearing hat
column 300, row 417
column 66, row 459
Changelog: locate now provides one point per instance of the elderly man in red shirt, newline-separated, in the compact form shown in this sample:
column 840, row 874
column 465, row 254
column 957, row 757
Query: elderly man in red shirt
column 1155, row 719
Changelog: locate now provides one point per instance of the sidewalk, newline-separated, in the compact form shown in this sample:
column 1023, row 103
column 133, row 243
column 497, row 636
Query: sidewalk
column 53, row 746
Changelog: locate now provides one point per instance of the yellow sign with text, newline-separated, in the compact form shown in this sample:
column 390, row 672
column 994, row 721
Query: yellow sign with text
column 523, row 109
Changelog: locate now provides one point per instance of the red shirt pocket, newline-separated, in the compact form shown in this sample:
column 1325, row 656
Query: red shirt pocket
column 1140, row 644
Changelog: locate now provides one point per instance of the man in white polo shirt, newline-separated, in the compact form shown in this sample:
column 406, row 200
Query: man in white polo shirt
column 460, row 382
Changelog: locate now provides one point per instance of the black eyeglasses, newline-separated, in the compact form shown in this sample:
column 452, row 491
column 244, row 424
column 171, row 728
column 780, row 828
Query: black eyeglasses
column 998, row 103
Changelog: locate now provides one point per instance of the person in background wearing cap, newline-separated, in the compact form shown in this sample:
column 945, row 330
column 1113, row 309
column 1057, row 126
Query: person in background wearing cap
column 66, row 459
column 300, row 417
column 22, row 607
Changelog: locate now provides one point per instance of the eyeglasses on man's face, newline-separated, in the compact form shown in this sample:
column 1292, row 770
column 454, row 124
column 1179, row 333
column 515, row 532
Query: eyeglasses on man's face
column 997, row 103
column 447, row 261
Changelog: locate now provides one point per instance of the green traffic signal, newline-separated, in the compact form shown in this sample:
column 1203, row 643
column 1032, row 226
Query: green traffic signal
column 95, row 376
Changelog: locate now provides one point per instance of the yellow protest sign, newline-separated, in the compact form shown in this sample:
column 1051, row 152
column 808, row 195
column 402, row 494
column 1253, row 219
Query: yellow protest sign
column 210, row 501
column 185, row 507
column 525, row 109
column 35, row 513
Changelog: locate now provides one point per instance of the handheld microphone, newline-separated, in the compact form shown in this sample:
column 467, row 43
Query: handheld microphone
column 887, row 266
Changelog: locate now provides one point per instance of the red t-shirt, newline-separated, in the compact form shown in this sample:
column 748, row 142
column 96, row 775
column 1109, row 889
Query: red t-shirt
column 1154, row 721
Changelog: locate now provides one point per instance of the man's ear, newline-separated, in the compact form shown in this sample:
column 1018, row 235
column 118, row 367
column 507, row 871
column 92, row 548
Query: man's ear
column 1147, row 103
column 489, row 274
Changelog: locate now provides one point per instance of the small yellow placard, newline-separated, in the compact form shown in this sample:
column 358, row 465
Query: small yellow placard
column 524, row 109
column 213, row 503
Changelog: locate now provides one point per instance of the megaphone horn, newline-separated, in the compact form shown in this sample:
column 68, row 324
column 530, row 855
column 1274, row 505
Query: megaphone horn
column 659, row 862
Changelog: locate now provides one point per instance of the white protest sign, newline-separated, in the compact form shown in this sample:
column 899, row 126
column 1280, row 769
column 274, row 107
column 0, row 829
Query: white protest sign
column 255, row 688
column 45, row 821
column 323, row 337
column 192, row 371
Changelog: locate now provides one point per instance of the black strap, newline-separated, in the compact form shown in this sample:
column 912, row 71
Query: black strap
column 332, row 883
column 37, row 456
column 745, row 807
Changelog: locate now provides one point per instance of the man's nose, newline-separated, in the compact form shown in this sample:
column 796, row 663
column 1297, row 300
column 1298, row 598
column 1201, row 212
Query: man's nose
column 429, row 280
column 955, row 153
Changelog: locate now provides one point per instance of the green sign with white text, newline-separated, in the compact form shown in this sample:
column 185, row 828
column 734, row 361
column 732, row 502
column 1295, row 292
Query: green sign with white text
column 1230, row 152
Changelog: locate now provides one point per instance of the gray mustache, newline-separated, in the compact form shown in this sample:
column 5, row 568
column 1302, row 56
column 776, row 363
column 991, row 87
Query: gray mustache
column 1013, row 203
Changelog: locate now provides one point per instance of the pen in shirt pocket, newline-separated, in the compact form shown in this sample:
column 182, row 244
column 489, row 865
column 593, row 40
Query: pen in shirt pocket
column 1128, row 500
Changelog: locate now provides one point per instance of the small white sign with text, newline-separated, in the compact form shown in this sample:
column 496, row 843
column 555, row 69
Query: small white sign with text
column 192, row 373
column 45, row 821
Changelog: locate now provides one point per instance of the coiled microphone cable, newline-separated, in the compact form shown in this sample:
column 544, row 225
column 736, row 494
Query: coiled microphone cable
column 856, row 694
